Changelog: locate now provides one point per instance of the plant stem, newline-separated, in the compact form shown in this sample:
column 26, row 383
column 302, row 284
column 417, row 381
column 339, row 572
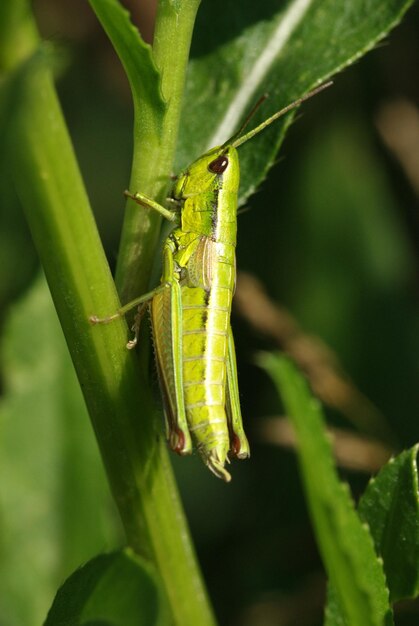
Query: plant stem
column 49, row 185
column 153, row 155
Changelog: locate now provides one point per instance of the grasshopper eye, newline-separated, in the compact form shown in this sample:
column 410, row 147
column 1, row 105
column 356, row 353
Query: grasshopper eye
column 219, row 165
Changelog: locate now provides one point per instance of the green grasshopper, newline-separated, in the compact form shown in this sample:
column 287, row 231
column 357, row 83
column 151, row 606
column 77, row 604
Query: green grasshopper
column 190, row 309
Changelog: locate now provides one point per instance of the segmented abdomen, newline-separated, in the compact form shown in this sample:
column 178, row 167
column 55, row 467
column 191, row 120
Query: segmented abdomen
column 205, row 323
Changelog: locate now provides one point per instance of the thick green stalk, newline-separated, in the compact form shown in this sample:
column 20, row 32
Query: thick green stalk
column 46, row 176
column 153, row 153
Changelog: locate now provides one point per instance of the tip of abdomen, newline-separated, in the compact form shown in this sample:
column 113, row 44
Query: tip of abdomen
column 216, row 464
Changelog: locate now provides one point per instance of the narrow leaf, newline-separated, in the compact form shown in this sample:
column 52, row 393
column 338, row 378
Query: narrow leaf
column 344, row 542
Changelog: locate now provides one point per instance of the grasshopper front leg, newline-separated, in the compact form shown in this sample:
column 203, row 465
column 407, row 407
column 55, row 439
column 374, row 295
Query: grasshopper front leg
column 145, row 201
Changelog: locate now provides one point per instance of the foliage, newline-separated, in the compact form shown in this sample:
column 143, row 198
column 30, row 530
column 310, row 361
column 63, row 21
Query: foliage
column 342, row 250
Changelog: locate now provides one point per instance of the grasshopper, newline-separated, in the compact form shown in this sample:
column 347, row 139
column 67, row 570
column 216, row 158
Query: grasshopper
column 190, row 309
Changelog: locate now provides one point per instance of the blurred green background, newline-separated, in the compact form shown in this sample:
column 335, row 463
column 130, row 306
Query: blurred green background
column 340, row 253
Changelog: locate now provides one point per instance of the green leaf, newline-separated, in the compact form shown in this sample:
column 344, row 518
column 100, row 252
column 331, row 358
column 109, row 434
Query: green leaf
column 345, row 543
column 135, row 56
column 284, row 51
column 55, row 506
column 390, row 506
column 119, row 589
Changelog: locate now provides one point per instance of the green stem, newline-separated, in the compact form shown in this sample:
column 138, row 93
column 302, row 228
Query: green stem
column 49, row 185
column 154, row 154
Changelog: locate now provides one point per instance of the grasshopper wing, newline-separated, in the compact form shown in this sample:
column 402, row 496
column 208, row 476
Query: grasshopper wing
column 166, row 317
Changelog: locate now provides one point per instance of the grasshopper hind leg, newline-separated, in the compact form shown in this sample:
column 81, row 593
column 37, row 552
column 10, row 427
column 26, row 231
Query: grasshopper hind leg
column 239, row 446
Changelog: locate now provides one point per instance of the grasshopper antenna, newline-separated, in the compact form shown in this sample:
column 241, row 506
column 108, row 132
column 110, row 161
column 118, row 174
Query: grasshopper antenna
column 248, row 118
column 236, row 140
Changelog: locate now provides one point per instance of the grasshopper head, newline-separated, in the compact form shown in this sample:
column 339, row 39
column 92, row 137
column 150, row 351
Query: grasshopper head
column 218, row 165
